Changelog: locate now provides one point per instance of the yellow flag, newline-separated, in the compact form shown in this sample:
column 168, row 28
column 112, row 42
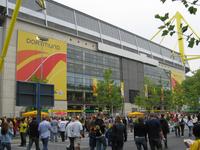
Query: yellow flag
column 94, row 86
column 122, row 88
column 146, row 90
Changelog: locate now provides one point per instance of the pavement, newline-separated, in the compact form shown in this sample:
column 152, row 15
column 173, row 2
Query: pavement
column 174, row 143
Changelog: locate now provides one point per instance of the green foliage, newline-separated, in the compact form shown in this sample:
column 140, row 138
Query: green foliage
column 192, row 10
column 153, row 101
column 165, row 32
column 191, row 87
column 168, row 28
column 184, row 29
column 191, row 42
column 178, row 98
column 34, row 78
column 108, row 93
column 187, row 93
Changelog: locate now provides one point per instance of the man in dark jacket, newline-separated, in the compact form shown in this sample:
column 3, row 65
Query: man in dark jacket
column 33, row 134
column 100, row 133
column 140, row 134
column 165, row 128
column 119, row 134
column 154, row 132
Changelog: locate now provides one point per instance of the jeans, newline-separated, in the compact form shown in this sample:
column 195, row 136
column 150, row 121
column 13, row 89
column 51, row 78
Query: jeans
column 71, row 146
column 141, row 142
column 62, row 134
column 165, row 141
column 6, row 145
column 23, row 138
column 117, row 145
column 54, row 137
column 190, row 130
column 182, row 129
column 101, row 143
column 177, row 130
column 155, row 143
column 45, row 143
column 31, row 140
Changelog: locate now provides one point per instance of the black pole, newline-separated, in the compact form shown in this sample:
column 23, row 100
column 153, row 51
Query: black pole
column 38, row 103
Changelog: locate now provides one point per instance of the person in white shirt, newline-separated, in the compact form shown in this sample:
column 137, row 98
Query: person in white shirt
column 54, row 130
column 62, row 125
column 74, row 131
column 44, row 130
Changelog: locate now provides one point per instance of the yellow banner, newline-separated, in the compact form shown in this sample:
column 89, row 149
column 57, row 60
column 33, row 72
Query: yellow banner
column 177, row 77
column 43, row 59
column 122, row 88
column 94, row 86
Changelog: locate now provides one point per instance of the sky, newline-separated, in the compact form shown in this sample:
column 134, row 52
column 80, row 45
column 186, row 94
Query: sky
column 137, row 16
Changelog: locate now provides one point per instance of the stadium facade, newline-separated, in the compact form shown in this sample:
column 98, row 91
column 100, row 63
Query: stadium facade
column 92, row 46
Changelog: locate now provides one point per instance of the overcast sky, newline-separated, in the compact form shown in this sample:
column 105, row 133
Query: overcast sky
column 137, row 16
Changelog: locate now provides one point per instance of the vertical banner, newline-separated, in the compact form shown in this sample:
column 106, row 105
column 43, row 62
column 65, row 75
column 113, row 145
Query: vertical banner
column 146, row 90
column 176, row 77
column 42, row 59
column 94, row 86
column 122, row 88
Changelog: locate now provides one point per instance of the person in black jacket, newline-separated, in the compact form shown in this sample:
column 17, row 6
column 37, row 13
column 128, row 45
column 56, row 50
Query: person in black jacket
column 119, row 134
column 154, row 132
column 165, row 128
column 100, row 133
column 33, row 134
column 140, row 134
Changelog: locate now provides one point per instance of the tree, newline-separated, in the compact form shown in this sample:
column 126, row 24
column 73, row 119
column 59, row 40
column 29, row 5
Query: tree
column 153, row 99
column 168, row 27
column 178, row 97
column 191, row 88
column 108, row 93
column 34, row 78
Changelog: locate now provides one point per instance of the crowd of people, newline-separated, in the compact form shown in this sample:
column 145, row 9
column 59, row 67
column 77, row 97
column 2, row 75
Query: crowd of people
column 103, row 131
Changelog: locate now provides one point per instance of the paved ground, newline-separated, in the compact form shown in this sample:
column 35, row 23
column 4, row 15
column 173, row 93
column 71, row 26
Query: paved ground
column 175, row 143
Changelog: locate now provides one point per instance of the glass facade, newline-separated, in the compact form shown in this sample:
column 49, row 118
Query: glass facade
column 158, row 75
column 82, row 66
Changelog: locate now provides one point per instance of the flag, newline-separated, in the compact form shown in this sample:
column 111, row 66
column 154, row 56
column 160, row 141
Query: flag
column 146, row 90
column 122, row 88
column 94, row 86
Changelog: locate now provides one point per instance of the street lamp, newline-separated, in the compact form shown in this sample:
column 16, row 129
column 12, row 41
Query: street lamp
column 38, row 106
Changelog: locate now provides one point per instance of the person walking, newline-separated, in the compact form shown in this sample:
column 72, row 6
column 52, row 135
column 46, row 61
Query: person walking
column 44, row 130
column 54, row 130
column 182, row 125
column 92, row 133
column 100, row 133
column 140, row 134
column 6, row 134
column 69, row 134
column 33, row 134
column 119, row 134
column 154, row 132
column 74, row 131
column 190, row 125
column 62, row 125
column 177, row 125
column 165, row 128
column 22, row 129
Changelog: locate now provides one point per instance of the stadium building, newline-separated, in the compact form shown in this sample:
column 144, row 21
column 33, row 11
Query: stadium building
column 69, row 48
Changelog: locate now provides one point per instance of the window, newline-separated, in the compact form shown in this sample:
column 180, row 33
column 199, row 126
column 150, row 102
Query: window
column 132, row 95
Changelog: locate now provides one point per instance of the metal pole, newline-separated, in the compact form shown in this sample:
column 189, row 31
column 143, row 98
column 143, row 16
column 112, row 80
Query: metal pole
column 10, row 31
column 38, row 102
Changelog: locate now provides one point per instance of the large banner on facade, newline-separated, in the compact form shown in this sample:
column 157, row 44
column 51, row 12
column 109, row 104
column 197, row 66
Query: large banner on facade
column 42, row 59
column 176, row 77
